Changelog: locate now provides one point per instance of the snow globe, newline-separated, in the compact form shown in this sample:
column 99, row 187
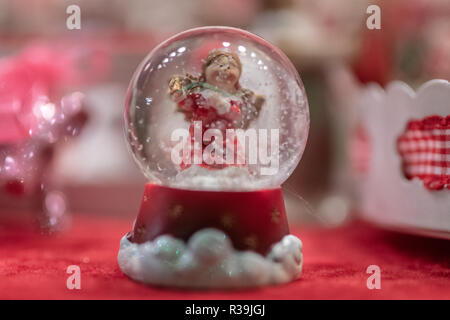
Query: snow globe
column 217, row 119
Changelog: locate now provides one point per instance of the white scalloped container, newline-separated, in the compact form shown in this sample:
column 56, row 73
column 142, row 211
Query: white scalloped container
column 387, row 197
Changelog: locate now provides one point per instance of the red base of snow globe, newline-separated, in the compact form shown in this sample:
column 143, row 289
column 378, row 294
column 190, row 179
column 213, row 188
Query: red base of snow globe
column 254, row 220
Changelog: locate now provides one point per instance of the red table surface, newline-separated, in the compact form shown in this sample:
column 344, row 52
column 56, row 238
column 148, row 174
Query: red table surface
column 335, row 260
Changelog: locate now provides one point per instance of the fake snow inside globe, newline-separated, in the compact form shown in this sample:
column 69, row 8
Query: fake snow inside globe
column 217, row 119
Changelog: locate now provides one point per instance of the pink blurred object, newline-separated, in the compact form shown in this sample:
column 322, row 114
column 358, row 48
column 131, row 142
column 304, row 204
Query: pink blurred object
column 30, row 80
column 35, row 114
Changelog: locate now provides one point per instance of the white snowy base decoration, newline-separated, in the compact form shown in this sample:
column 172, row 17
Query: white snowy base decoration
column 208, row 260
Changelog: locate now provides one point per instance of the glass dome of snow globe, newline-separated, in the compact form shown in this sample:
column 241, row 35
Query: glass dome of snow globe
column 216, row 108
column 217, row 118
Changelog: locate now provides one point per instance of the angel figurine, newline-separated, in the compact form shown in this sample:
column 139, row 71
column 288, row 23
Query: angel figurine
column 216, row 99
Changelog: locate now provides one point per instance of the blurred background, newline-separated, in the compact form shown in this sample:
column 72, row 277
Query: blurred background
column 83, row 166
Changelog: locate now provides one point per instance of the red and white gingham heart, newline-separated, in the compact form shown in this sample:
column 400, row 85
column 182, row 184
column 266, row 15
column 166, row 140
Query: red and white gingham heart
column 425, row 151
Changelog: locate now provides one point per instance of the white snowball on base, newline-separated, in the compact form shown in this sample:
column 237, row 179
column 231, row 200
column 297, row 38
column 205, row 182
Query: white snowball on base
column 208, row 260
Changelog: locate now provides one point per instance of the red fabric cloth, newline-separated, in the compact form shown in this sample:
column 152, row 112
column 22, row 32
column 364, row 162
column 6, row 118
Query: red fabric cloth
column 335, row 261
column 425, row 151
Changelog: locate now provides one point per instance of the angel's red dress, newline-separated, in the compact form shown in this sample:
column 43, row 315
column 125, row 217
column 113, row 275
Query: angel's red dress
column 197, row 106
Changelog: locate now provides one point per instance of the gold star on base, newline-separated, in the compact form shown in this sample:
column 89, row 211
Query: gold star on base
column 176, row 211
column 227, row 221
column 251, row 242
column 139, row 231
column 275, row 215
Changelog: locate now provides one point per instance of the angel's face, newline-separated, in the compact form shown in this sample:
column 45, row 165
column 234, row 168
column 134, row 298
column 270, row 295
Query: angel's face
column 223, row 73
